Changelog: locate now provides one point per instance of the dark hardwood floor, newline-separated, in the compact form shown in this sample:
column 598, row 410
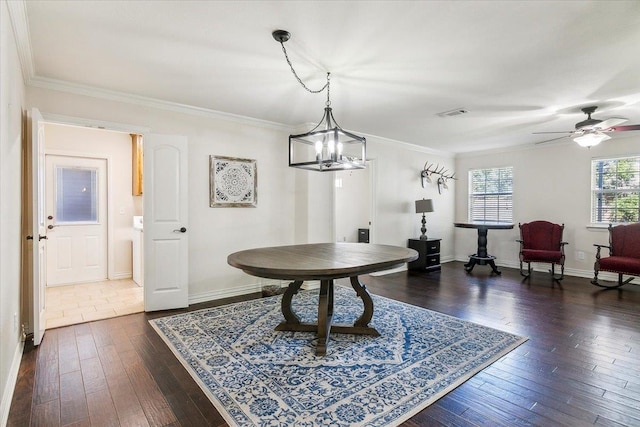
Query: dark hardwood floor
column 580, row 366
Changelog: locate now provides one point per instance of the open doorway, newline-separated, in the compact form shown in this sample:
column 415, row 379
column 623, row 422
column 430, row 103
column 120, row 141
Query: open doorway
column 90, row 209
column 353, row 196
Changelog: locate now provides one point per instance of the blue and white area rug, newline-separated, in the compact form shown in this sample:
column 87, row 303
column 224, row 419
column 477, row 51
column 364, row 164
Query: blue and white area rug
column 256, row 376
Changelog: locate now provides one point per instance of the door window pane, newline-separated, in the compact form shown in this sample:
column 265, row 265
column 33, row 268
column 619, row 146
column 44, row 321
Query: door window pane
column 76, row 195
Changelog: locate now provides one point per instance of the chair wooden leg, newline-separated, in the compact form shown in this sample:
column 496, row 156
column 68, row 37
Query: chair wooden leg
column 528, row 270
column 553, row 272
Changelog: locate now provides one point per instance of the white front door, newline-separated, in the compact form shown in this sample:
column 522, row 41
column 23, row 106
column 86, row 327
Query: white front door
column 166, row 222
column 76, row 218
column 38, row 230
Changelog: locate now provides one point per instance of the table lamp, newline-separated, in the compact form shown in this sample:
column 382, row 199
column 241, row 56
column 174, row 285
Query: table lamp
column 422, row 206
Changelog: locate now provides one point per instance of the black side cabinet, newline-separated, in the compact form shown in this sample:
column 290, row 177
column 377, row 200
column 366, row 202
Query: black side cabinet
column 428, row 254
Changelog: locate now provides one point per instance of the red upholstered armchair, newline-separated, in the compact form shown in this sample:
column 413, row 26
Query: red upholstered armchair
column 541, row 241
column 624, row 255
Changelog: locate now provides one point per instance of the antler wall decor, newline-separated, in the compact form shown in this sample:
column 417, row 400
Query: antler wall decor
column 436, row 169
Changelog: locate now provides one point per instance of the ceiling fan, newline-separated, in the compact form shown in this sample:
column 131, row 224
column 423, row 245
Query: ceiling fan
column 592, row 132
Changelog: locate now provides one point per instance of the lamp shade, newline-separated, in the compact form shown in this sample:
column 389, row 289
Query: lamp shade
column 424, row 205
column 591, row 139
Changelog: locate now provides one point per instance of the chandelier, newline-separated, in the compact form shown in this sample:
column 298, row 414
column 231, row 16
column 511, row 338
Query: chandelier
column 327, row 147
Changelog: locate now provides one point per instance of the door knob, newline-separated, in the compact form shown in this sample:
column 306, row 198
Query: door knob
column 181, row 230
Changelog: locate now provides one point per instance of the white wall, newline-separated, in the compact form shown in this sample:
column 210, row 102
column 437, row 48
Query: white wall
column 294, row 206
column 397, row 186
column 352, row 203
column 116, row 147
column 551, row 182
column 214, row 232
column 11, row 112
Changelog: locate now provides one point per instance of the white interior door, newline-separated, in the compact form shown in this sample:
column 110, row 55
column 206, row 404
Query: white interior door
column 38, row 230
column 166, row 224
column 76, row 209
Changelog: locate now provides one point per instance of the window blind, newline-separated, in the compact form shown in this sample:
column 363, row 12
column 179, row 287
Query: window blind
column 615, row 190
column 491, row 194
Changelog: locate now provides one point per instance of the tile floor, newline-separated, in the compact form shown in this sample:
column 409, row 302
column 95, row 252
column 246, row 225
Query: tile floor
column 71, row 304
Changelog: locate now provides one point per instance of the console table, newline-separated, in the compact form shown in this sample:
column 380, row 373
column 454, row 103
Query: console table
column 481, row 257
column 324, row 262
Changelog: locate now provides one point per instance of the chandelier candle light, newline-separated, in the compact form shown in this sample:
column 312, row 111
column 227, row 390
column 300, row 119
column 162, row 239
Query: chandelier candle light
column 422, row 206
column 326, row 147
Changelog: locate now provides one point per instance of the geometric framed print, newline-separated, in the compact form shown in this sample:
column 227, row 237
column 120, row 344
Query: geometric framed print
column 233, row 182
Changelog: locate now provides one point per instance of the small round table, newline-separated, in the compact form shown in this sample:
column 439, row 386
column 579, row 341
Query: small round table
column 481, row 257
column 324, row 262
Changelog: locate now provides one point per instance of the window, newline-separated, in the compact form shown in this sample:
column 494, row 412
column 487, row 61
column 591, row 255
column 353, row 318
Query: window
column 76, row 195
column 491, row 194
column 615, row 190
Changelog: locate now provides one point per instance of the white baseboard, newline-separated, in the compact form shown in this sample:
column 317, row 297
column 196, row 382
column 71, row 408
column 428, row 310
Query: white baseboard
column 12, row 379
column 257, row 287
column 236, row 290
column 121, row 275
column 545, row 267
column 404, row 267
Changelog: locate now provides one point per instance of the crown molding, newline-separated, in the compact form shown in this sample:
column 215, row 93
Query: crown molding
column 513, row 149
column 20, row 24
column 19, row 20
column 407, row 145
column 111, row 95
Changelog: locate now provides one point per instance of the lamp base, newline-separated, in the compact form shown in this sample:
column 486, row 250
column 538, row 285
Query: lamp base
column 423, row 228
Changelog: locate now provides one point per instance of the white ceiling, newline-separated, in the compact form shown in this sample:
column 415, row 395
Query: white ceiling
column 517, row 66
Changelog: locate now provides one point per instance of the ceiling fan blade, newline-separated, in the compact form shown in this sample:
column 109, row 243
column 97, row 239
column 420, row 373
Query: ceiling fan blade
column 566, row 131
column 611, row 122
column 625, row 128
column 548, row 140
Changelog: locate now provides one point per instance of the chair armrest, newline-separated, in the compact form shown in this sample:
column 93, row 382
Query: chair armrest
column 562, row 247
column 599, row 248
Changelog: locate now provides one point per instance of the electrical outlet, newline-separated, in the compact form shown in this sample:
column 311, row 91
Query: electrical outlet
column 580, row 255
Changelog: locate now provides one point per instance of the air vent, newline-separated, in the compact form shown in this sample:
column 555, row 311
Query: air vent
column 454, row 112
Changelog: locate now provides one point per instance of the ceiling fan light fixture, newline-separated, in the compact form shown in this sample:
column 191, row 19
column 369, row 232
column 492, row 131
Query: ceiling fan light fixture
column 591, row 139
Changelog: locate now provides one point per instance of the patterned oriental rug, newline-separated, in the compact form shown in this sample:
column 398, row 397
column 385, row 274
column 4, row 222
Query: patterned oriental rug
column 258, row 377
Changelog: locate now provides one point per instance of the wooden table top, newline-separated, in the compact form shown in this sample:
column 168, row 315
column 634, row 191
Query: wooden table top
column 320, row 261
column 485, row 224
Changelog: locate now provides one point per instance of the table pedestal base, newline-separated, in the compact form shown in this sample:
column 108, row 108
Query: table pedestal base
column 486, row 260
column 325, row 314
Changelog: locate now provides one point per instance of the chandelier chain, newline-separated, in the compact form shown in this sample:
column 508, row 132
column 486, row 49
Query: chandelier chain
column 326, row 85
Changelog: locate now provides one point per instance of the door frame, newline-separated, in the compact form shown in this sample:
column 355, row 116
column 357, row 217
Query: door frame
column 60, row 119
column 371, row 168
column 43, row 118
column 110, row 208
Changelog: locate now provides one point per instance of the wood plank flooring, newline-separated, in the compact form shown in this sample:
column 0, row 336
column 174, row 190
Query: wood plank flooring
column 581, row 365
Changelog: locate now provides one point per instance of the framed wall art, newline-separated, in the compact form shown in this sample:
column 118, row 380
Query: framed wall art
column 233, row 182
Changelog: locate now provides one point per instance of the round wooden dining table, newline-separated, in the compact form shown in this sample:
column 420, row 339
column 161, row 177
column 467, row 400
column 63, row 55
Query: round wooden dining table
column 324, row 262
